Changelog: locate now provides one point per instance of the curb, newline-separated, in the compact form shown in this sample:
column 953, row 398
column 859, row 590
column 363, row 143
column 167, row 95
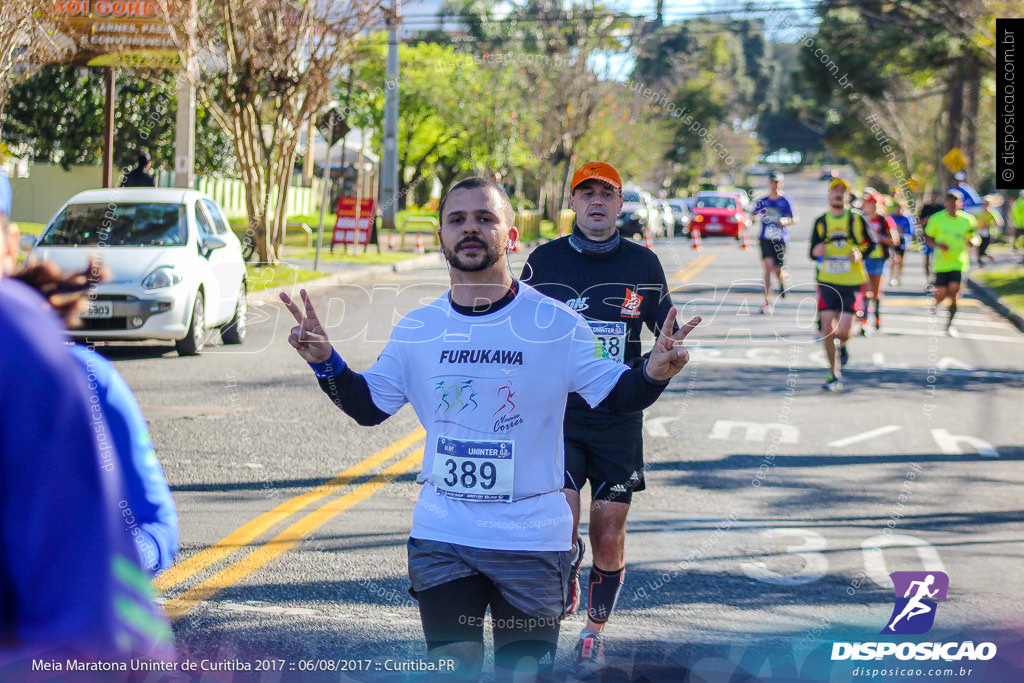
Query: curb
column 425, row 261
column 992, row 299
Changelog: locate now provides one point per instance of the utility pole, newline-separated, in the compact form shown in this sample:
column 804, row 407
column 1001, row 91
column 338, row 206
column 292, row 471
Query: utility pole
column 108, row 127
column 389, row 165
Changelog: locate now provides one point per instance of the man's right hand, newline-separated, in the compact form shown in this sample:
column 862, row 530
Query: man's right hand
column 308, row 337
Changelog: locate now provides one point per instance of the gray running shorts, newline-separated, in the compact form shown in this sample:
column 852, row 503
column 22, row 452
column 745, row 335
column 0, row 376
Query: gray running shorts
column 534, row 582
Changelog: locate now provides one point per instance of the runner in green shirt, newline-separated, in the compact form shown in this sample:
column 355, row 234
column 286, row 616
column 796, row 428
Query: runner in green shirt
column 951, row 233
column 1017, row 217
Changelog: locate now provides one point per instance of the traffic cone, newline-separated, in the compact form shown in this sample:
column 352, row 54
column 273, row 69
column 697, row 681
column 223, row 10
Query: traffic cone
column 419, row 244
column 648, row 240
column 517, row 247
column 391, row 241
column 743, row 241
column 695, row 242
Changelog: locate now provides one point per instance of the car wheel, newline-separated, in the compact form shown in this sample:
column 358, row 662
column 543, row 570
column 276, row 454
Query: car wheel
column 234, row 332
column 193, row 342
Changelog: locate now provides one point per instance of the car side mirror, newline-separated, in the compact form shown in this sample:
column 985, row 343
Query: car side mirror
column 212, row 242
column 27, row 242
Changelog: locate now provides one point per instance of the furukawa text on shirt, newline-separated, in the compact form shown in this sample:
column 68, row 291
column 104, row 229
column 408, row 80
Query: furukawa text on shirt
column 496, row 356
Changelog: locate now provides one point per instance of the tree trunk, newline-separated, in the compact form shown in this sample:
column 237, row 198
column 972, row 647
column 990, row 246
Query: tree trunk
column 954, row 120
column 971, row 104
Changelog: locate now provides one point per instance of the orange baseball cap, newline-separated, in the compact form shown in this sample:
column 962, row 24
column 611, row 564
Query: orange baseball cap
column 596, row 170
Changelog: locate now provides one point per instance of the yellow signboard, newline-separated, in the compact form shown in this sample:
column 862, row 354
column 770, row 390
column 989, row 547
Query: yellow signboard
column 116, row 33
column 954, row 160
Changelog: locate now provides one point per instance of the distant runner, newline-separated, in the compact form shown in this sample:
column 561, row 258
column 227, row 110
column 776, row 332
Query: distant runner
column 950, row 233
column 933, row 207
column 841, row 238
column 905, row 224
column 989, row 221
column 886, row 236
column 776, row 215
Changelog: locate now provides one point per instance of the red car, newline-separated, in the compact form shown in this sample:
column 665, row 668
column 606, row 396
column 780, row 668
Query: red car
column 718, row 214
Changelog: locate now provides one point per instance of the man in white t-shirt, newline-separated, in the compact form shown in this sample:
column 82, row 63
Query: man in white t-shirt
column 488, row 367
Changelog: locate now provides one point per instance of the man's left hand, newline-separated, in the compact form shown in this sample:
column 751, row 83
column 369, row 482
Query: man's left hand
column 669, row 356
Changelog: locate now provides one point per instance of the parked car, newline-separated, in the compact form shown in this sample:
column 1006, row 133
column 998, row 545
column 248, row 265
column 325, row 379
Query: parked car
column 718, row 213
column 681, row 213
column 668, row 218
column 638, row 212
column 177, row 266
column 740, row 193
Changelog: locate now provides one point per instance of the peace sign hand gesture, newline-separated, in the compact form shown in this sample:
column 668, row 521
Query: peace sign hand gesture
column 669, row 356
column 308, row 337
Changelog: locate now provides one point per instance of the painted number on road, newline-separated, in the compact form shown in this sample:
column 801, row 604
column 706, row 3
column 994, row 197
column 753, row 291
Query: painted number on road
column 809, row 547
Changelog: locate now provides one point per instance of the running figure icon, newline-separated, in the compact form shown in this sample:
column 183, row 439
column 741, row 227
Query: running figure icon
column 915, row 606
column 916, row 596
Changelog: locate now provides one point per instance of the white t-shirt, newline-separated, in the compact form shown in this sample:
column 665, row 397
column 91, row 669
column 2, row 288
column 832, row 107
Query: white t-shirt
column 490, row 391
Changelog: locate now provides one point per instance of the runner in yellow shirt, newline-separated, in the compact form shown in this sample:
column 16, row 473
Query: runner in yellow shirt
column 951, row 232
column 839, row 240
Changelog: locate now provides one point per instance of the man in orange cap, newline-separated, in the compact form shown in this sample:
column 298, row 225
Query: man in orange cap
column 618, row 286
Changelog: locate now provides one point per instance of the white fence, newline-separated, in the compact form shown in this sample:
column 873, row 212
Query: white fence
column 38, row 196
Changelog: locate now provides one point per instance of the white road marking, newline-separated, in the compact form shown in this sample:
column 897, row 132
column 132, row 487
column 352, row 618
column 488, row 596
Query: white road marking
column 874, row 559
column 950, row 444
column 754, row 431
column 963, row 335
column 815, row 565
column 655, row 426
column 948, row 362
column 864, row 436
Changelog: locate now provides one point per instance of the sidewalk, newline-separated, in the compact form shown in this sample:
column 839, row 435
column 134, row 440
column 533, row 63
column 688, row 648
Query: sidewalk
column 1003, row 259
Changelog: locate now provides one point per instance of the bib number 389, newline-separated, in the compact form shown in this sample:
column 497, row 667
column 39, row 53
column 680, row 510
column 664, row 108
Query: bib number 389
column 481, row 471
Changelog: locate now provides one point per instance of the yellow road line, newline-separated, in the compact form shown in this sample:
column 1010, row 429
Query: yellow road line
column 693, row 268
column 252, row 530
column 287, row 539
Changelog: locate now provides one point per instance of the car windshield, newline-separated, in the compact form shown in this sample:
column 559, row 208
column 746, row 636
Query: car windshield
column 628, row 196
column 716, row 202
column 118, row 225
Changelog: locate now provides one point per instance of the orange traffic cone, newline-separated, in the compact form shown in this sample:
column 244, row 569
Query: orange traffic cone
column 648, row 240
column 517, row 247
column 419, row 244
column 743, row 241
column 391, row 241
column 695, row 242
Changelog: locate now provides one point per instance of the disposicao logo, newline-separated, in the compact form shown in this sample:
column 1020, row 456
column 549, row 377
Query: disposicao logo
column 916, row 593
column 914, row 614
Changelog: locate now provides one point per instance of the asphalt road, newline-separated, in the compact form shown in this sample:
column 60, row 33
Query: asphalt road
column 773, row 515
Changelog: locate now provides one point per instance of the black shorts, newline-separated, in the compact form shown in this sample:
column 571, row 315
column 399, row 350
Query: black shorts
column 775, row 250
column 943, row 279
column 839, row 298
column 611, row 457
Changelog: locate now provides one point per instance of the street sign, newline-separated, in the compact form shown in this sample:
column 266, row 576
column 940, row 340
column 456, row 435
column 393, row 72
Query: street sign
column 332, row 126
column 117, row 33
column 353, row 216
column 955, row 160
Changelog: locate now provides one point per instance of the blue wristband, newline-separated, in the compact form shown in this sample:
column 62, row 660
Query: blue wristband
column 332, row 367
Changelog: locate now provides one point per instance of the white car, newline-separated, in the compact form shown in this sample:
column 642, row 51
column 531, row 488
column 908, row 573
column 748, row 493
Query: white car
column 177, row 266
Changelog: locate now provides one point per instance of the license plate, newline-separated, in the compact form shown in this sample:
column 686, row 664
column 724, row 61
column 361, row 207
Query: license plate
column 99, row 309
column 714, row 228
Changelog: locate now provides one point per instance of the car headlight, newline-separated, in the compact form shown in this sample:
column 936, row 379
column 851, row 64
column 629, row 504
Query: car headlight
column 164, row 276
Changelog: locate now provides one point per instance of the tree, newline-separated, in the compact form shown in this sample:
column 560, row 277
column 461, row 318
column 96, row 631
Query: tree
column 24, row 39
column 263, row 68
column 57, row 112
